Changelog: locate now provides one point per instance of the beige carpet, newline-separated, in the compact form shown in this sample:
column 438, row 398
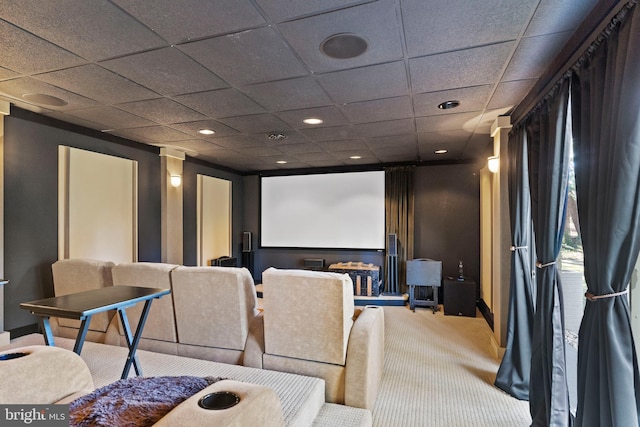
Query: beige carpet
column 439, row 371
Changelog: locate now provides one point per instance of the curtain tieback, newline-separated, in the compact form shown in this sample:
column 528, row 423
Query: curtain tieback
column 515, row 248
column 541, row 265
column 591, row 297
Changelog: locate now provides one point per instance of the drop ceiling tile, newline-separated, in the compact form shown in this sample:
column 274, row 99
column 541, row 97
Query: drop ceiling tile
column 314, row 156
column 43, row 56
column 7, row 74
column 405, row 151
column 288, row 94
column 325, row 163
column 375, row 22
column 509, row 94
column 329, row 133
column 555, row 16
column 111, row 117
column 392, row 141
column 304, row 151
column 261, row 151
column 346, row 145
column 221, row 103
column 237, row 142
column 443, row 27
column 152, row 133
column 92, row 30
column 379, row 110
column 448, row 122
column 330, row 115
column 247, row 57
column 292, row 138
column 364, row 157
column 18, row 87
column 283, row 10
column 180, row 21
column 471, row 99
column 162, row 110
column 194, row 147
column 166, row 71
column 533, row 54
column 430, row 141
column 364, row 84
column 386, row 128
column 192, row 128
column 471, row 67
column 97, row 83
column 257, row 123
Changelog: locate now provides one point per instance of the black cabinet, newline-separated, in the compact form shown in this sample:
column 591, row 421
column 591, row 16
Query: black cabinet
column 459, row 297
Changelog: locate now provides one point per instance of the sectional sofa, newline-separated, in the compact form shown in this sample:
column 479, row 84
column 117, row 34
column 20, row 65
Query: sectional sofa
column 212, row 314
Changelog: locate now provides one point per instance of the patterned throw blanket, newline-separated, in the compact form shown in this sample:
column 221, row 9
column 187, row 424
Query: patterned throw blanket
column 134, row 402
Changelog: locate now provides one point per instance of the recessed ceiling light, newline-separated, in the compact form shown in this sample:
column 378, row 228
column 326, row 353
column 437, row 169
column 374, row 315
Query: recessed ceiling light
column 207, row 131
column 344, row 46
column 42, row 99
column 447, row 105
column 355, row 157
column 281, row 162
column 312, row 121
column 441, row 151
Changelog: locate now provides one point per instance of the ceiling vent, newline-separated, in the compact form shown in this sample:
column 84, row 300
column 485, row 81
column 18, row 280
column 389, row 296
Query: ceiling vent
column 276, row 136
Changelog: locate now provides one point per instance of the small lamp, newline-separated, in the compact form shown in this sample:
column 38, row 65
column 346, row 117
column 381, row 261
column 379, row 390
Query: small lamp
column 493, row 163
column 175, row 180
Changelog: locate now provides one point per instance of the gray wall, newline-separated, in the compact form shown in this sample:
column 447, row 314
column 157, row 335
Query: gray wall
column 447, row 217
column 31, row 203
column 190, row 193
column 447, row 224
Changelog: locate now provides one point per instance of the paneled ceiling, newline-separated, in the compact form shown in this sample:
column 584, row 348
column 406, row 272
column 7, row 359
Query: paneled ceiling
column 157, row 72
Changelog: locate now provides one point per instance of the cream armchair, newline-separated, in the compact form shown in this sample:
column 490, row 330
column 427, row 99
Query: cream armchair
column 159, row 333
column 77, row 275
column 311, row 328
column 216, row 313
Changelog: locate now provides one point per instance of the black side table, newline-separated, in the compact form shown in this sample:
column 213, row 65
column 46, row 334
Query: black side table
column 459, row 297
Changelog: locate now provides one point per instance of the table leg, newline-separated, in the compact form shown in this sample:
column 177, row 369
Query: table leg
column 82, row 334
column 133, row 343
column 45, row 326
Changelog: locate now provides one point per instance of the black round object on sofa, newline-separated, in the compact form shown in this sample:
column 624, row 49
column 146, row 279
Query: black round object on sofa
column 11, row 356
column 219, row 400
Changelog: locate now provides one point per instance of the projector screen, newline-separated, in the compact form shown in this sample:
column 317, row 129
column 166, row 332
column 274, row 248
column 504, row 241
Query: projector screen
column 334, row 210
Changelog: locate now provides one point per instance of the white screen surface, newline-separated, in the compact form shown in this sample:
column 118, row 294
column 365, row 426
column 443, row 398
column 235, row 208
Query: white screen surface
column 336, row 210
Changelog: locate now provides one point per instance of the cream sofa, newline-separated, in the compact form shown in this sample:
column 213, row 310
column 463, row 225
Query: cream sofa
column 52, row 375
column 210, row 314
column 327, row 337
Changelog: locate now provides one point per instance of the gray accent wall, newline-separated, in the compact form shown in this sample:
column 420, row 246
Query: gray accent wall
column 447, row 224
column 447, row 217
column 31, row 203
column 31, row 206
column 190, row 196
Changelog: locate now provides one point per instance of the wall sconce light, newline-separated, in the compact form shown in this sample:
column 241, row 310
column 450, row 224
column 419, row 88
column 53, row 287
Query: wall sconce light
column 493, row 163
column 176, row 180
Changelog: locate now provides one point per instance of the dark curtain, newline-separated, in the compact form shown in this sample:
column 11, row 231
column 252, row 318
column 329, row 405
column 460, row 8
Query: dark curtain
column 606, row 123
column 513, row 374
column 548, row 179
column 399, row 213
